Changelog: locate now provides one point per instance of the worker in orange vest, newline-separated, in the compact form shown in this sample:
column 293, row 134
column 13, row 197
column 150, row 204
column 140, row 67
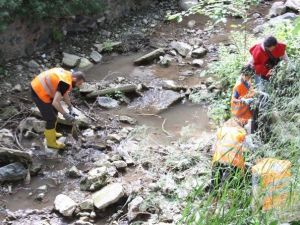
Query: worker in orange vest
column 242, row 96
column 228, row 154
column 48, row 89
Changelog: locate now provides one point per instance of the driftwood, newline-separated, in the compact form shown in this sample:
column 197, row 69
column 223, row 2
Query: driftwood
column 125, row 89
column 8, row 155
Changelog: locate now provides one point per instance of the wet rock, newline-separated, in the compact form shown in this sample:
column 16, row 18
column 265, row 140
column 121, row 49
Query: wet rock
column 17, row 88
column 191, row 24
column 134, row 208
column 182, row 48
column 199, row 52
column 65, row 205
column 88, row 88
column 85, row 64
column 73, row 172
column 96, row 179
column 293, row 5
column 277, row 9
column 13, row 172
column 155, row 100
column 107, row 102
column 70, row 60
column 96, row 56
column 87, row 205
column 165, row 61
column 110, row 194
column 10, row 155
column 187, row 4
column 40, row 197
column 114, row 137
column 195, row 42
column 6, row 137
column 120, row 164
column 42, row 188
column 148, row 58
column 198, row 62
column 186, row 73
column 32, row 64
column 127, row 119
column 32, row 124
column 88, row 133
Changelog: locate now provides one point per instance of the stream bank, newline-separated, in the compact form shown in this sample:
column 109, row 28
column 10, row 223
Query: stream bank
column 169, row 150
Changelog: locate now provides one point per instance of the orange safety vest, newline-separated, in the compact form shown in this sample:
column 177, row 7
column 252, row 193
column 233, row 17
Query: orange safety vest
column 240, row 110
column 229, row 147
column 45, row 84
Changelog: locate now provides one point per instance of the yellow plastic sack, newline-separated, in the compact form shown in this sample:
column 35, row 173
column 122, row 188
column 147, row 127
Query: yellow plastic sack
column 271, row 182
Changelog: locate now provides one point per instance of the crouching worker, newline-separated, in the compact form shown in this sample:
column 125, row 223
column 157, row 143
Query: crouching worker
column 228, row 160
column 243, row 96
column 48, row 89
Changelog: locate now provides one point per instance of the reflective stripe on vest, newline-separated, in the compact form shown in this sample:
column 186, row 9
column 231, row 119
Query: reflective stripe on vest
column 46, row 83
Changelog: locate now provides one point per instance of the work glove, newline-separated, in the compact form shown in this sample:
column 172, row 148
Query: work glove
column 71, row 111
column 68, row 117
column 247, row 101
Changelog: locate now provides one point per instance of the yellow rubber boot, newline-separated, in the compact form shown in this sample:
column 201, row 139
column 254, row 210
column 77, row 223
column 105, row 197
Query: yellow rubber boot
column 51, row 139
column 58, row 135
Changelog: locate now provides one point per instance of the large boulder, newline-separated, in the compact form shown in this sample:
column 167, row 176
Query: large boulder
column 32, row 124
column 275, row 22
column 148, row 58
column 182, row 48
column 95, row 179
column 96, row 56
column 108, row 195
column 155, row 100
column 65, row 205
column 12, row 172
column 187, row 4
column 277, row 9
column 293, row 5
column 72, row 61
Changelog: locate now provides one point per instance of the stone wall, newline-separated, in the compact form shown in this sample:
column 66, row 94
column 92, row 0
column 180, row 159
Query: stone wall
column 22, row 39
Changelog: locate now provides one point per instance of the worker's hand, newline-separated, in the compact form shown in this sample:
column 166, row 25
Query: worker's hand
column 71, row 111
column 247, row 101
column 68, row 117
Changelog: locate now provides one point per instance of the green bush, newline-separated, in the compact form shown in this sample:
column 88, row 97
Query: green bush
column 47, row 9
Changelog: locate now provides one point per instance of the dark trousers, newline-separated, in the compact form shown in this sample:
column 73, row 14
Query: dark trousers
column 49, row 113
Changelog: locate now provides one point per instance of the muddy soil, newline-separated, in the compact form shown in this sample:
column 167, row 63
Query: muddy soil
column 171, row 148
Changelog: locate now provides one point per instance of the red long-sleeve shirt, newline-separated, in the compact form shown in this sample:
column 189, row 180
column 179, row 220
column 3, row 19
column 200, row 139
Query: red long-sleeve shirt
column 261, row 57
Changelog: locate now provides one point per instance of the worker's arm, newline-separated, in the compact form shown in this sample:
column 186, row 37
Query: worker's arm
column 56, row 103
column 67, row 99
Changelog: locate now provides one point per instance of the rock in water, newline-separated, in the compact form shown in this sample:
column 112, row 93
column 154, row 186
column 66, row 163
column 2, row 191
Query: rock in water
column 108, row 195
column 293, row 5
column 187, row 4
column 148, row 58
column 199, row 52
column 107, row 102
column 85, row 64
column 70, row 60
column 127, row 119
column 65, row 205
column 134, row 208
column 182, row 48
column 73, row 172
column 96, row 56
column 155, row 100
column 277, row 9
column 13, row 172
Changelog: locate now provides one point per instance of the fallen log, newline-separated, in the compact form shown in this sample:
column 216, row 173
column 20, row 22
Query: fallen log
column 124, row 89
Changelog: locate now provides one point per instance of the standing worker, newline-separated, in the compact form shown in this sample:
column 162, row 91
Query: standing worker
column 48, row 89
column 242, row 96
column 265, row 56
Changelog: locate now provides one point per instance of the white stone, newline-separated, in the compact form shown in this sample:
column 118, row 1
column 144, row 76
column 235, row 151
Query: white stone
column 120, row 164
column 65, row 205
column 17, row 88
column 96, row 56
column 134, row 208
column 85, row 64
column 182, row 48
column 293, row 4
column 108, row 195
column 70, row 59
